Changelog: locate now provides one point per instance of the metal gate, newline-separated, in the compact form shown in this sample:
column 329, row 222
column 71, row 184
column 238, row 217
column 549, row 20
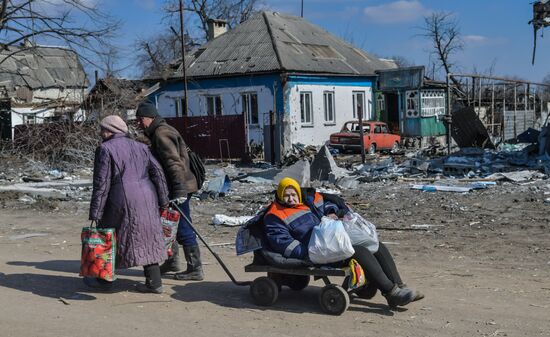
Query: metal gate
column 212, row 136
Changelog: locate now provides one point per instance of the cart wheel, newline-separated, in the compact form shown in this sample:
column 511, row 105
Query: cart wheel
column 367, row 292
column 264, row 291
column 334, row 299
column 297, row 282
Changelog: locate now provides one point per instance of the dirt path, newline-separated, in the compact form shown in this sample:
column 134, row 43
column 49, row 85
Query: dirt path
column 483, row 263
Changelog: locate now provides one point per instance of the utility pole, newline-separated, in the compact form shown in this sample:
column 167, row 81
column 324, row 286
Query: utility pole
column 182, row 37
column 302, row 12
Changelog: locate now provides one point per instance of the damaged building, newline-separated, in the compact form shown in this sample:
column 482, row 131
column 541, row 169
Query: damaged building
column 39, row 84
column 272, row 81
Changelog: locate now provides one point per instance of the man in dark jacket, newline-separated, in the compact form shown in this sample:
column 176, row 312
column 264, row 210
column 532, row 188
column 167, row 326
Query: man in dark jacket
column 171, row 151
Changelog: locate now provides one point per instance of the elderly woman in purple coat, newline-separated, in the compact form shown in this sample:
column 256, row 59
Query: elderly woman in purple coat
column 128, row 189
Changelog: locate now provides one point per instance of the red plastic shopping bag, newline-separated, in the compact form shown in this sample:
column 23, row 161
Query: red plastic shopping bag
column 169, row 219
column 98, row 252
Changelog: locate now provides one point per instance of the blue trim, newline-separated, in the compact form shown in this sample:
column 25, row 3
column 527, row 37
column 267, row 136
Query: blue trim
column 266, row 81
column 331, row 80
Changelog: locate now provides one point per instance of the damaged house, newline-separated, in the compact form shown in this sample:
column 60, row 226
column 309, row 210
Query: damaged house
column 39, row 84
column 272, row 81
column 411, row 104
column 115, row 96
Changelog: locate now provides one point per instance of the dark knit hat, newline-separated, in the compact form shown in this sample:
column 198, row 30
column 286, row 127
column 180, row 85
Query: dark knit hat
column 114, row 124
column 146, row 109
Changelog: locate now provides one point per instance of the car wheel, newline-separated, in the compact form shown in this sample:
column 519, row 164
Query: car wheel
column 395, row 147
column 372, row 148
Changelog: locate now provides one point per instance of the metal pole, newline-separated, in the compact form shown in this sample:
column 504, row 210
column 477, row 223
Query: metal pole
column 515, row 108
column 302, row 12
column 361, row 135
column 493, row 110
column 448, row 115
column 182, row 37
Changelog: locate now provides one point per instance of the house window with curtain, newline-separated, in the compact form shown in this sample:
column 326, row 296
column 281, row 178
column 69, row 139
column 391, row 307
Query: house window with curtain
column 433, row 103
column 250, row 108
column 306, row 108
column 328, row 99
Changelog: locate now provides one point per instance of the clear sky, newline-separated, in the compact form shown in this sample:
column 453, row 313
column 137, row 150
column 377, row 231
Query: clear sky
column 494, row 31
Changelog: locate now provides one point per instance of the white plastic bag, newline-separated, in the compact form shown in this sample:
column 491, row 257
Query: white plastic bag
column 361, row 231
column 329, row 242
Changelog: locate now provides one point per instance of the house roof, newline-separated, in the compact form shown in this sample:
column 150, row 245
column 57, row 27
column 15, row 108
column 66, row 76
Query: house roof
column 271, row 41
column 41, row 67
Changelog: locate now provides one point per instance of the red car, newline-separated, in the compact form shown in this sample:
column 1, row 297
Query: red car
column 376, row 137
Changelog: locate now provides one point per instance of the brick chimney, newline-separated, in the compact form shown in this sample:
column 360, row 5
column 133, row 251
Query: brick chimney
column 216, row 27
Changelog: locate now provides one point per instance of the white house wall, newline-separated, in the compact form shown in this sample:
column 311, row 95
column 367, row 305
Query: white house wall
column 231, row 104
column 318, row 132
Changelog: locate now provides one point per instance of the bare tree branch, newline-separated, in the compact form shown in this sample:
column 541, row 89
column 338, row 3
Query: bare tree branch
column 444, row 33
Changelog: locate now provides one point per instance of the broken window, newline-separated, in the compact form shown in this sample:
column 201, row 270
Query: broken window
column 328, row 98
column 179, row 104
column 306, row 108
column 214, row 105
column 250, row 107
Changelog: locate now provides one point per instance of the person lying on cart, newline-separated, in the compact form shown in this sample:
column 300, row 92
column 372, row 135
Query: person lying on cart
column 288, row 225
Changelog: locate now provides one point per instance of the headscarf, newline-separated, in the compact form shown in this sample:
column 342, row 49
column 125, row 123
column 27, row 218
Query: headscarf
column 288, row 182
column 114, row 124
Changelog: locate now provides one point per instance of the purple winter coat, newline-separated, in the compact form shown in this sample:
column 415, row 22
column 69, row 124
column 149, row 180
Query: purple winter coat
column 128, row 189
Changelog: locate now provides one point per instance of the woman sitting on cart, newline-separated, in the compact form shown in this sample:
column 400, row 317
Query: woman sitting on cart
column 289, row 222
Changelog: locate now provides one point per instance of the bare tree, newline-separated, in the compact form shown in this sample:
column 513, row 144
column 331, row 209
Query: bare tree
column 160, row 55
column 444, row 33
column 76, row 24
column 233, row 11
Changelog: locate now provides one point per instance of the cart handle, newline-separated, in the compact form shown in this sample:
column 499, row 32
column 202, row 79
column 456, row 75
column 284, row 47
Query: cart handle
column 216, row 256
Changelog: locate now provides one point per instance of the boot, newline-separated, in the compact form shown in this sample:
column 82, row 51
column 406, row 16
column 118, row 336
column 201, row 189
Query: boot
column 399, row 296
column 194, row 265
column 153, row 282
column 417, row 294
column 172, row 264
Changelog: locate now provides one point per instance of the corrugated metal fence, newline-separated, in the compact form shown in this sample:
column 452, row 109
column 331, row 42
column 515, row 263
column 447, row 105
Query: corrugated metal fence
column 213, row 136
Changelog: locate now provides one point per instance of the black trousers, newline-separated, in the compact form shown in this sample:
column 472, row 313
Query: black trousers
column 379, row 267
column 152, row 275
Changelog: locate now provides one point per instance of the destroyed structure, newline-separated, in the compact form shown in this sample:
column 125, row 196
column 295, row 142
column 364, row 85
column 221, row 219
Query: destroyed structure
column 39, row 84
column 114, row 96
column 272, row 81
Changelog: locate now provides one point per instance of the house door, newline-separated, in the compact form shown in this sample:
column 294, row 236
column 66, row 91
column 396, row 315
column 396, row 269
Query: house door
column 5, row 120
column 392, row 107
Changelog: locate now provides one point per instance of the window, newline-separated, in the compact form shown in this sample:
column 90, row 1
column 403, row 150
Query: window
column 359, row 104
column 179, row 104
column 29, row 119
column 412, row 104
column 377, row 129
column 381, row 102
column 384, row 129
column 433, row 103
column 250, row 107
column 306, row 108
column 214, row 105
column 328, row 98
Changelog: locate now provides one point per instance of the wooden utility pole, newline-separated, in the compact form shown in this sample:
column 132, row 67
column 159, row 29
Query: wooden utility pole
column 182, row 37
column 302, row 11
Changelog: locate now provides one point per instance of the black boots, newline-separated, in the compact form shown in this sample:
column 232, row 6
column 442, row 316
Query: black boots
column 172, row 264
column 153, row 282
column 400, row 296
column 194, row 265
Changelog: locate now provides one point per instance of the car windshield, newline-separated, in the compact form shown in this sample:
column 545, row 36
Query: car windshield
column 354, row 127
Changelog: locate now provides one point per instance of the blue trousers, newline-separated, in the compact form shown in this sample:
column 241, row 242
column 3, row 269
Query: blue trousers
column 186, row 236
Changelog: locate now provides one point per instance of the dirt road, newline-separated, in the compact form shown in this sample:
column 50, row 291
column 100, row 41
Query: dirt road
column 481, row 258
